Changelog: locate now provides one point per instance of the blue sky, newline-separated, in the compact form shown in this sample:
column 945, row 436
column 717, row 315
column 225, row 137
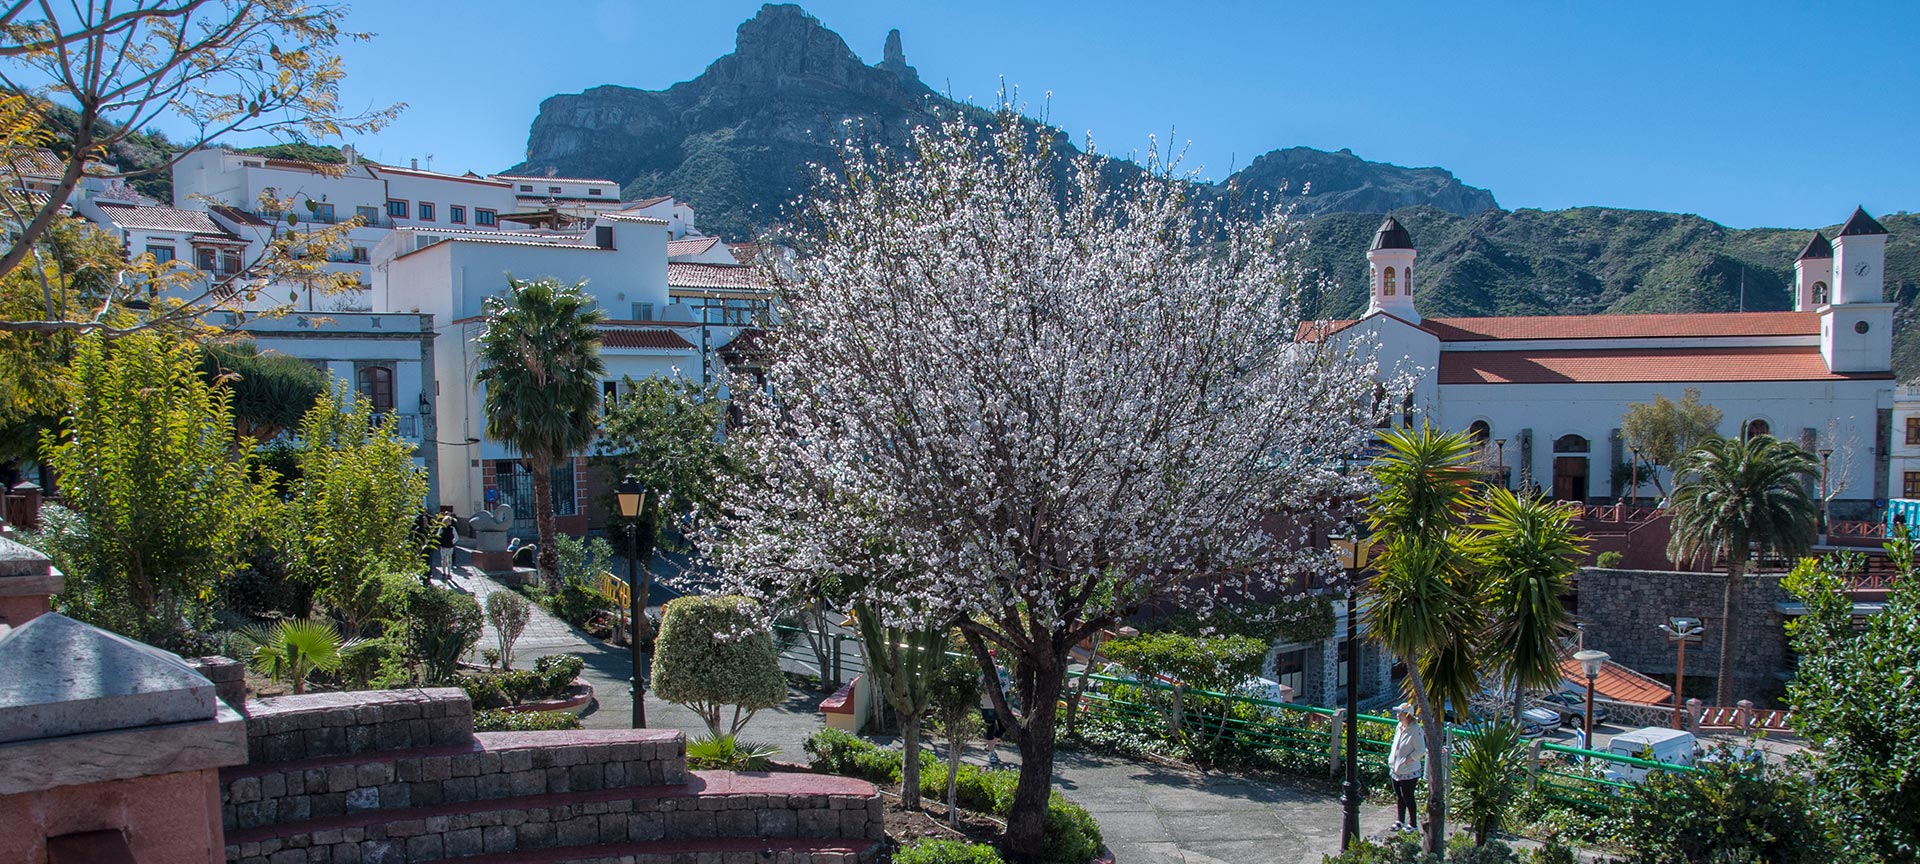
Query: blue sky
column 1752, row 114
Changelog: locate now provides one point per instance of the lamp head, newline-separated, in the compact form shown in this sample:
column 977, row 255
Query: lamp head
column 1591, row 661
column 629, row 494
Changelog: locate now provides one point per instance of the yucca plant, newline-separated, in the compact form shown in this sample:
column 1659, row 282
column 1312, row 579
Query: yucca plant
column 726, row 753
column 1487, row 776
column 295, row 648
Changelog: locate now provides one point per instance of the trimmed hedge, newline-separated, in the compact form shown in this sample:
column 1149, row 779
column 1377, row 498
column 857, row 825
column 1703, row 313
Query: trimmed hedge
column 548, row 679
column 523, row 721
column 947, row 852
column 1072, row 835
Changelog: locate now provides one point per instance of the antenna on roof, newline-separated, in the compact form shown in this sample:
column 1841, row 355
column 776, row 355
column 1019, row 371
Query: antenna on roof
column 429, row 161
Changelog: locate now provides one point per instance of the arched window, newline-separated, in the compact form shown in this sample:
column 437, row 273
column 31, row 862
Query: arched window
column 1386, row 282
column 1755, row 427
column 1480, row 432
column 1406, row 280
column 1819, row 293
column 376, row 383
column 1570, row 444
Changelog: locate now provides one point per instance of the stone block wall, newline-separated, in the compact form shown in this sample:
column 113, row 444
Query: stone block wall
column 494, row 765
column 314, row 725
column 1622, row 611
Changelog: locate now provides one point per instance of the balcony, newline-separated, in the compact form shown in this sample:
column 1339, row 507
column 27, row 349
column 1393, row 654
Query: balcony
column 405, row 425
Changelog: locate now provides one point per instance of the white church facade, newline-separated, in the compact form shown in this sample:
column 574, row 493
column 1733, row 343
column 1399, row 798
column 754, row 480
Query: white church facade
column 1547, row 393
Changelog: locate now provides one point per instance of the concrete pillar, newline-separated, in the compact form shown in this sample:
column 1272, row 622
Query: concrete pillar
column 27, row 583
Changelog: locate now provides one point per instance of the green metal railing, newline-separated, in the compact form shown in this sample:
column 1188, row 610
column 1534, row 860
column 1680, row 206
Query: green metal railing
column 1299, row 731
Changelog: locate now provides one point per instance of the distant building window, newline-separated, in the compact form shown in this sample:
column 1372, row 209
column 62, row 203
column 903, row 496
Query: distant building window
column 161, row 253
column 367, row 215
column 360, row 255
column 1386, row 282
column 425, row 211
column 553, row 190
column 1406, row 284
column 1913, row 430
column 1756, row 428
column 1570, row 444
column 376, row 383
column 229, row 263
column 1480, row 432
column 205, row 259
column 483, row 216
column 593, row 191
column 1819, row 293
column 526, row 187
column 643, row 311
column 456, row 214
column 1910, row 485
column 396, row 208
column 323, row 212
column 609, row 394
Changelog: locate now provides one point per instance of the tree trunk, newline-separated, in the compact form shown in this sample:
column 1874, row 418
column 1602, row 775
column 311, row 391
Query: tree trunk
column 1434, row 839
column 953, row 782
column 910, row 762
column 548, row 558
column 1729, row 633
column 1026, row 825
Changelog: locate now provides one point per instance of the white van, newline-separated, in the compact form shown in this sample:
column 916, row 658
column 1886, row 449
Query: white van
column 1658, row 743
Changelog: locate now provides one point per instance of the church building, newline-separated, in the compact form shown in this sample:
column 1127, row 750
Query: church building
column 1545, row 394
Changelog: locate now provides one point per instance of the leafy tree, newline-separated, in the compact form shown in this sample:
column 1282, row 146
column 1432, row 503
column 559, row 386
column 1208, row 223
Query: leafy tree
column 292, row 649
column 1527, row 551
column 540, row 364
column 76, row 268
column 222, row 66
column 146, row 458
column 1221, row 664
column 1665, row 431
column 272, row 392
column 1852, row 699
column 353, row 508
column 953, row 694
column 712, row 652
column 508, row 613
column 1424, row 586
column 1732, row 498
column 1055, row 411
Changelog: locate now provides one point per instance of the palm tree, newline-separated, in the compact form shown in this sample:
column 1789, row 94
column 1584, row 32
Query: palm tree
column 1526, row 549
column 295, row 648
column 541, row 366
column 1424, row 587
column 1731, row 498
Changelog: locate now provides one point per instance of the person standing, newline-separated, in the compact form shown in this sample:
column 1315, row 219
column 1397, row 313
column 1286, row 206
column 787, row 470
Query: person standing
column 1407, row 761
column 448, row 537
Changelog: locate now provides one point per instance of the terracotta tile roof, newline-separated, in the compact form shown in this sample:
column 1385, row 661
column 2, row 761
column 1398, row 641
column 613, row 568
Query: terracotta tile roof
column 1617, row 682
column 690, row 245
column 626, row 337
column 749, row 344
column 646, row 202
column 1626, row 365
column 38, row 162
column 1314, row 331
column 745, row 253
column 242, row 217
column 1624, row 326
column 139, row 218
column 731, row 276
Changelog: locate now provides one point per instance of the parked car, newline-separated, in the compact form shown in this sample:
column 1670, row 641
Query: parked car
column 1570, row 704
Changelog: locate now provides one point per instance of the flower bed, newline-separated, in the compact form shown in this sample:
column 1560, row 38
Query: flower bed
column 551, row 685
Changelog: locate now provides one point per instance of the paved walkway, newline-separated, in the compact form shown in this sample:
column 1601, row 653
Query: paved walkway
column 1149, row 813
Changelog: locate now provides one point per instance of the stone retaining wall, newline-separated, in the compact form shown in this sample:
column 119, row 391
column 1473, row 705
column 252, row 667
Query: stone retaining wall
column 1622, row 611
column 495, row 765
column 315, row 725
column 736, row 807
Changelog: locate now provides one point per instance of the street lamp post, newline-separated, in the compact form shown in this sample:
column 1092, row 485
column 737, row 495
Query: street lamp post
column 1590, row 663
column 632, row 497
column 1352, row 552
column 1681, row 631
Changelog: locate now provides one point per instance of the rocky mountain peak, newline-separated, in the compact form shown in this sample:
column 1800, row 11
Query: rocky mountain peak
column 783, row 46
column 895, row 59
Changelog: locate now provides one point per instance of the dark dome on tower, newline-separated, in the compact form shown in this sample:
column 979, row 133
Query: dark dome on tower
column 1392, row 235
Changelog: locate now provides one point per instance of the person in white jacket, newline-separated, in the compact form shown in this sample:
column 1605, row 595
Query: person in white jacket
column 1406, row 762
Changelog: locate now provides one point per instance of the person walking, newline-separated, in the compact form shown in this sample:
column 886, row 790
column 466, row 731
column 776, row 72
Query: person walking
column 1407, row 761
column 449, row 536
column 990, row 717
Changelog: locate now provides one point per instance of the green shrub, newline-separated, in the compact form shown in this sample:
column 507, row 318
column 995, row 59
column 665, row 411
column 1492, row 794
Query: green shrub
column 1729, row 809
column 523, row 721
column 559, row 671
column 1608, row 559
column 946, row 852
column 726, row 753
column 442, row 626
column 1072, row 837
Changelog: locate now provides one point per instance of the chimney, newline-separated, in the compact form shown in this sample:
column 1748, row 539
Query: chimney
column 352, row 155
column 416, row 164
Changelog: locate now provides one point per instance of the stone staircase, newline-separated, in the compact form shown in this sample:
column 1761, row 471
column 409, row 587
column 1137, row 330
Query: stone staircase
column 394, row 776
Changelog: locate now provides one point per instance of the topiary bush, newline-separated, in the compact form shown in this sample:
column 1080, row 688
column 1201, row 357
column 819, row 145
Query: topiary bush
column 1608, row 559
column 946, row 852
column 715, row 651
column 442, row 626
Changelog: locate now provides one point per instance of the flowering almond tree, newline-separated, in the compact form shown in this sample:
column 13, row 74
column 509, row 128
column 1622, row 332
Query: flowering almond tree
column 1024, row 394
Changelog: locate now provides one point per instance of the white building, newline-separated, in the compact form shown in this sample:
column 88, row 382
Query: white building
column 1905, row 462
column 1547, row 392
column 580, row 197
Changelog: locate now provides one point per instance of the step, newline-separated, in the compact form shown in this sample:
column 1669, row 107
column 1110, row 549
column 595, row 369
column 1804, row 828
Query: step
column 490, row 765
column 716, row 851
column 709, row 805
